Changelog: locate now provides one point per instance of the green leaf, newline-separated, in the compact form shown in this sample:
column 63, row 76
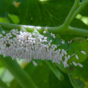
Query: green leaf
column 54, row 83
column 55, row 70
column 76, row 47
column 76, row 83
column 3, row 20
column 14, row 18
column 81, row 73
column 37, row 12
column 43, row 76
column 49, row 13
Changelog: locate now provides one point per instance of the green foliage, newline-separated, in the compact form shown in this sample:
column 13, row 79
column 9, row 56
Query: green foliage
column 13, row 18
column 45, row 74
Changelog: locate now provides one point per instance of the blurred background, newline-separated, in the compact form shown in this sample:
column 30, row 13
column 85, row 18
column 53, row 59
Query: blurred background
column 44, row 13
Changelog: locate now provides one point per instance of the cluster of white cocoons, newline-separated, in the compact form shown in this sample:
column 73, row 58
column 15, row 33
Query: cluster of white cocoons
column 28, row 46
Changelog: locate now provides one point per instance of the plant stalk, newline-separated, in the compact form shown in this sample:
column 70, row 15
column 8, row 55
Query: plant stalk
column 69, row 16
column 21, row 76
column 82, row 5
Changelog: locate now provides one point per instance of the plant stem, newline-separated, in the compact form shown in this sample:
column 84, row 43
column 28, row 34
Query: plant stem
column 62, row 30
column 2, row 84
column 68, row 18
column 82, row 5
column 30, row 28
column 10, row 26
column 78, row 31
column 21, row 76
